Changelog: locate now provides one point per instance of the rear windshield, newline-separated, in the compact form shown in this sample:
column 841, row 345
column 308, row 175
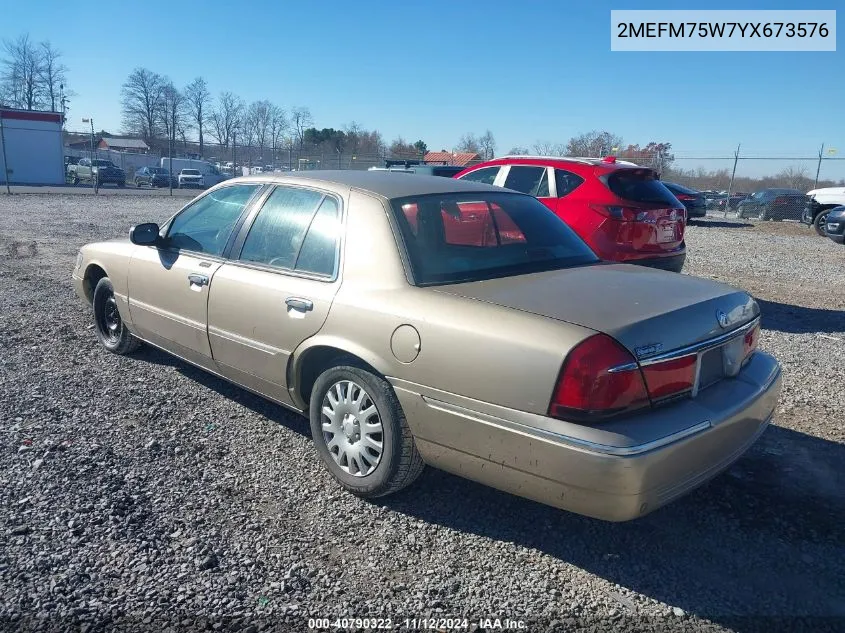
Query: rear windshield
column 453, row 238
column 639, row 185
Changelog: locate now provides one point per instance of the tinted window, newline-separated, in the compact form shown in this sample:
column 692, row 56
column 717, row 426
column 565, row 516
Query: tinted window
column 485, row 175
column 319, row 249
column 206, row 225
column 566, row 182
column 640, row 185
column 531, row 180
column 277, row 233
column 470, row 236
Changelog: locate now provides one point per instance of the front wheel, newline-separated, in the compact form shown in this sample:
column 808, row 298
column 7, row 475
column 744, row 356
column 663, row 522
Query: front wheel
column 819, row 221
column 361, row 434
column 111, row 331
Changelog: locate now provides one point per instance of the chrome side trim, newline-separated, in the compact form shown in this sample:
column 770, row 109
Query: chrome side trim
column 246, row 342
column 625, row 367
column 584, row 445
column 703, row 346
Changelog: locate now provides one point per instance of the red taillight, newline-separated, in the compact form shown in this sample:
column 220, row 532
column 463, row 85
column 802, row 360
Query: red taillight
column 625, row 214
column 684, row 196
column 599, row 378
column 670, row 378
column 750, row 341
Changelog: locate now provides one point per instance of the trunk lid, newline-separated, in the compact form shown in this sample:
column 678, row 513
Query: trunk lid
column 649, row 311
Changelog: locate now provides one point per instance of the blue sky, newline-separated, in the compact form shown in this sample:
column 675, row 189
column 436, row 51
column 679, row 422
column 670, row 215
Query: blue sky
column 529, row 71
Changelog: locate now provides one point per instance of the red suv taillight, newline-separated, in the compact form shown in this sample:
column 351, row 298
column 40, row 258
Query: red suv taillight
column 599, row 379
column 626, row 214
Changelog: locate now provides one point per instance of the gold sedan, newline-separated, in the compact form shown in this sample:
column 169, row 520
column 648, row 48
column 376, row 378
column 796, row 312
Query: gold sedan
column 423, row 320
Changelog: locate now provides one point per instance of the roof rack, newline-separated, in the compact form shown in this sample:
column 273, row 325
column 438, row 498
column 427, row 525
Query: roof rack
column 575, row 159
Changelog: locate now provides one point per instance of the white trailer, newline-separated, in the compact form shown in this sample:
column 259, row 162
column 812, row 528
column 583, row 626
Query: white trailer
column 210, row 174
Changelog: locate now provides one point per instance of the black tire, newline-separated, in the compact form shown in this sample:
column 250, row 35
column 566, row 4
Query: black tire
column 111, row 331
column 764, row 215
column 121, row 184
column 400, row 463
column 819, row 221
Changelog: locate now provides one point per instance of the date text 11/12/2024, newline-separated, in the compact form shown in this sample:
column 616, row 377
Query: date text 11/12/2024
column 417, row 624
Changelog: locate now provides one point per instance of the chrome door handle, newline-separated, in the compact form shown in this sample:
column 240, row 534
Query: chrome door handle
column 198, row 280
column 303, row 305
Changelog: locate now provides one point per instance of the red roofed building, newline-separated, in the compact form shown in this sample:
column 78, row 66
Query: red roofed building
column 461, row 159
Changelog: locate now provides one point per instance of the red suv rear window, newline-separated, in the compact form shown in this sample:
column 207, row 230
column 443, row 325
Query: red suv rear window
column 639, row 185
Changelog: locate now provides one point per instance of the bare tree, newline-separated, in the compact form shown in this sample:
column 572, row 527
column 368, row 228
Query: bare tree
column 260, row 117
column 593, row 144
column 468, row 144
column 518, row 151
column 142, row 101
column 353, row 135
column 400, row 148
column 278, row 128
column 226, row 118
column 22, row 74
column 487, row 144
column 173, row 111
column 795, row 177
column 301, row 119
column 544, row 148
column 198, row 103
column 52, row 75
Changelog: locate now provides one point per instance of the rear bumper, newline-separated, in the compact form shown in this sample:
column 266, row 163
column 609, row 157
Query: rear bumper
column 605, row 473
column 672, row 263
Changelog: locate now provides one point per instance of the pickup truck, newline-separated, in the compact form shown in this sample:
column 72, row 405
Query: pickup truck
column 820, row 204
column 103, row 171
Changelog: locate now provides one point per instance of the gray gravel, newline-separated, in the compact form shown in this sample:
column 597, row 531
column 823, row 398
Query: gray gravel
column 138, row 493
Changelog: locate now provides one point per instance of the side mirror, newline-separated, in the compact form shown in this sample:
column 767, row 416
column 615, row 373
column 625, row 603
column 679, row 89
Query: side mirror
column 144, row 234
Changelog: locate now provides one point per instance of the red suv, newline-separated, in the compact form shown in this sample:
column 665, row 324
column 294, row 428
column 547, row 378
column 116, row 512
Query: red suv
column 621, row 210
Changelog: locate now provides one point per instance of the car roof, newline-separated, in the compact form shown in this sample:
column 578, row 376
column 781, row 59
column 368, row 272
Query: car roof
column 561, row 161
column 382, row 183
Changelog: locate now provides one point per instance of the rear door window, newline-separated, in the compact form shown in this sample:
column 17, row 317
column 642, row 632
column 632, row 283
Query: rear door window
column 528, row 179
column 639, row 185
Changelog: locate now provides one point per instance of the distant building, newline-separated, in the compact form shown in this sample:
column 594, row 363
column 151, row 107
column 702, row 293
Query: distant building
column 32, row 144
column 461, row 159
column 131, row 145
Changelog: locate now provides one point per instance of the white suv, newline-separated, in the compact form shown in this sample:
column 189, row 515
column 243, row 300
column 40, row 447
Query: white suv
column 191, row 178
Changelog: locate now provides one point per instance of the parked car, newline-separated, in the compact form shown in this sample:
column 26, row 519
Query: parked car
column 600, row 388
column 190, row 178
column 447, row 171
column 731, row 203
column 103, row 171
column 714, row 200
column 154, row 177
column 623, row 212
column 835, row 224
column 819, row 203
column 692, row 200
column 773, row 204
column 210, row 174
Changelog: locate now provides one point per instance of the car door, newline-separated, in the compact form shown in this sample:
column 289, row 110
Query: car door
column 277, row 288
column 168, row 283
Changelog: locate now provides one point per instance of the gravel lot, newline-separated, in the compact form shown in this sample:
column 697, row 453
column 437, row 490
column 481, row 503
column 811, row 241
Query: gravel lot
column 140, row 493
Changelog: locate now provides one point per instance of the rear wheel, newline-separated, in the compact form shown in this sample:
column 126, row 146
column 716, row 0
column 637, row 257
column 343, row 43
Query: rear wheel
column 360, row 432
column 111, row 331
column 819, row 221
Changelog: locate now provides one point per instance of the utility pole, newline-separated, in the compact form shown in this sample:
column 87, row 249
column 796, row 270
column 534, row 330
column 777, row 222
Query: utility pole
column 5, row 164
column 96, row 180
column 819, row 167
column 731, row 183
column 170, row 147
column 234, row 156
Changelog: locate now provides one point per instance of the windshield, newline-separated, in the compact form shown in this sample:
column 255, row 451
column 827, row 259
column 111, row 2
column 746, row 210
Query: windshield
column 190, row 172
column 157, row 170
column 103, row 163
column 454, row 238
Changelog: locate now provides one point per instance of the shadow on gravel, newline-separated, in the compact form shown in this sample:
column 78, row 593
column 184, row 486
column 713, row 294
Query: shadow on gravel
column 258, row 404
column 719, row 224
column 764, row 539
column 786, row 317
